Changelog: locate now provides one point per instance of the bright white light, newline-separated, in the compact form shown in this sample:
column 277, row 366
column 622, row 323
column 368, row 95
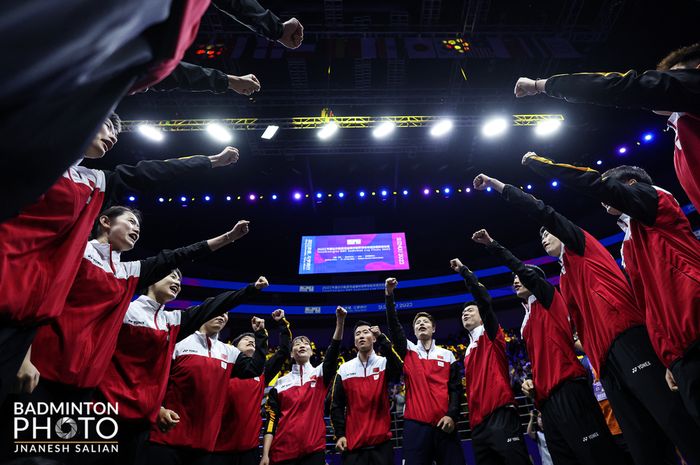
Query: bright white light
column 494, row 127
column 441, row 128
column 151, row 132
column 384, row 129
column 547, row 127
column 219, row 132
column 270, row 132
column 327, row 130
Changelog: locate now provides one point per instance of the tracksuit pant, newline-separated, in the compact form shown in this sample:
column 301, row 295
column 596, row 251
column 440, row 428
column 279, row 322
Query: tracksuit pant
column 424, row 443
column 315, row 458
column 161, row 454
column 249, row 457
column 686, row 372
column 498, row 441
column 381, row 454
column 14, row 344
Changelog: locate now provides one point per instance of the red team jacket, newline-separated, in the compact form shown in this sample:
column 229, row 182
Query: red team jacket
column 76, row 348
column 660, row 254
column 197, row 384
column 42, row 248
column 298, row 399
column 138, row 372
column 241, row 421
column 686, row 153
column 596, row 292
column 360, row 400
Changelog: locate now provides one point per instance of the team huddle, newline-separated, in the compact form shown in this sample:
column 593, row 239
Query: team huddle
column 71, row 330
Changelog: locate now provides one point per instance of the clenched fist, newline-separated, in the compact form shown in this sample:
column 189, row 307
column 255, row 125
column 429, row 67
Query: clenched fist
column 225, row 157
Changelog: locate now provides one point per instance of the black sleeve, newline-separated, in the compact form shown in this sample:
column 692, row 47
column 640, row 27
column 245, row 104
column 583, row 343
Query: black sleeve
column 338, row 403
column 193, row 78
column 155, row 268
column 673, row 90
column 640, row 200
column 483, row 301
column 250, row 367
column 147, row 175
column 396, row 332
column 253, row 16
column 194, row 317
column 330, row 362
column 571, row 235
column 274, row 364
column 394, row 363
column 542, row 289
column 272, row 412
column 455, row 392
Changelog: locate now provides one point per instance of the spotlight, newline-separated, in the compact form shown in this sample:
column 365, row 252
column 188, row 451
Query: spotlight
column 183, row 199
column 161, row 199
column 426, row 191
column 362, row 193
column 441, row 128
column 327, row 130
column 274, row 196
column 488, row 189
column 648, row 137
column 529, row 187
column 219, row 132
column 405, row 192
column 384, row 129
column 599, row 162
column 622, row 150
column 228, row 198
column 131, row 198
column 318, row 195
column 341, row 194
column 270, row 132
column 297, row 196
column 468, row 190
column 252, row 197
column 384, row 193
column 207, row 198
column 555, row 184
column 547, row 127
column 151, row 132
column 446, row 190
column 494, row 127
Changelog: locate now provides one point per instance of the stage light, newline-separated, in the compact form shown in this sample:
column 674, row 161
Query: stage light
column 251, row 197
column 494, row 127
column 318, row 195
column 151, row 132
column 426, row 191
column 622, row 150
column 161, row 199
column 599, row 162
column 270, row 132
column 441, row 128
column 384, row 129
column 555, row 184
column 384, row 193
column 207, row 198
column 219, row 132
column 446, row 190
column 488, row 189
column 529, row 187
column 468, row 190
column 648, row 137
column 274, row 196
column 405, row 192
column 297, row 196
column 327, row 130
column 362, row 193
column 547, row 127
column 228, row 198
column 131, row 198
column 183, row 199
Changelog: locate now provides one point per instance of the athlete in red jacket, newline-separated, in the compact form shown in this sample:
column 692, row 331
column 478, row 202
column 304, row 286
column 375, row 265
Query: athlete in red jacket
column 673, row 87
column 433, row 390
column 202, row 366
column 137, row 376
column 295, row 431
column 662, row 258
column 239, row 436
column 559, row 383
column 360, row 402
column 493, row 414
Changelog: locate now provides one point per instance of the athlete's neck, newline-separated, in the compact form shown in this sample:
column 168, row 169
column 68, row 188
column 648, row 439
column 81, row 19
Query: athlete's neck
column 426, row 343
column 364, row 356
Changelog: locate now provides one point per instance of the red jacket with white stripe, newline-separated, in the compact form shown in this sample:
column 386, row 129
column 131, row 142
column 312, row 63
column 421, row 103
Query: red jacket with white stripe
column 596, row 292
column 294, row 408
column 241, row 421
column 660, row 254
column 546, row 329
column 360, row 399
column 138, row 373
column 197, row 385
column 77, row 347
column 433, row 380
column 41, row 248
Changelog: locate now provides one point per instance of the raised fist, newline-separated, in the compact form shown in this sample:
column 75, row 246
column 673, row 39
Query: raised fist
column 239, row 230
column 244, row 85
column 456, row 264
column 482, row 182
column 224, row 158
column 390, row 285
column 527, row 157
column 525, row 87
column 262, row 283
column 482, row 237
column 340, row 313
column 292, row 33
column 257, row 323
column 278, row 314
column 376, row 331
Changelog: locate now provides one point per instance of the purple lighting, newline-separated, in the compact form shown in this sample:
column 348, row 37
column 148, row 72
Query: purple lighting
column 426, row 191
column 622, row 150
column 251, row 197
column 297, row 196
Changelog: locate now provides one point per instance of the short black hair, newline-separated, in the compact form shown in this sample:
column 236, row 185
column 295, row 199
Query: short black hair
column 426, row 315
column 238, row 338
column 116, row 122
column 301, row 338
column 361, row 323
column 467, row 304
column 537, row 269
column 112, row 213
column 682, row 55
column 624, row 173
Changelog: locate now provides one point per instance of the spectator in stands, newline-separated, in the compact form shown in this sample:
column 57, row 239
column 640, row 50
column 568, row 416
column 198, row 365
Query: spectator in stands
column 535, row 429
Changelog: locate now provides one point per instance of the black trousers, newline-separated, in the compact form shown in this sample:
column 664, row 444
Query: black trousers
column 424, row 443
column 316, row 458
column 381, row 454
column 249, row 457
column 653, row 419
column 686, row 372
column 498, row 441
column 14, row 344
column 575, row 428
column 160, row 454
